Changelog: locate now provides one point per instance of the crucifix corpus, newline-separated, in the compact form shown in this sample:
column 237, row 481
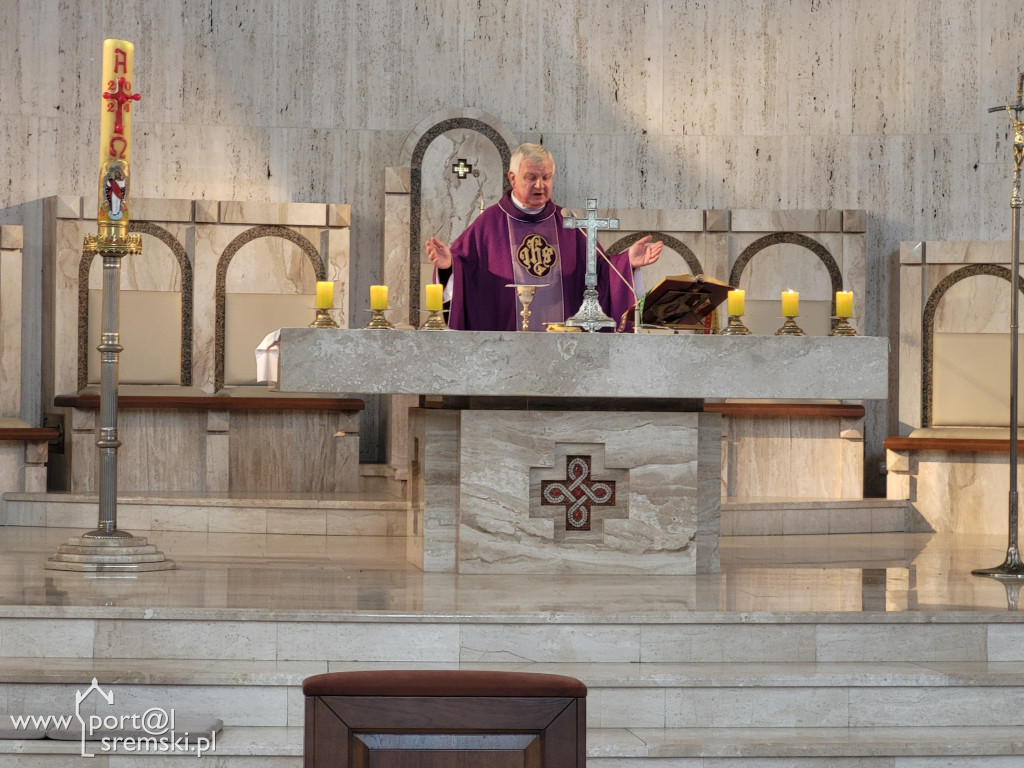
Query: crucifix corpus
column 590, row 317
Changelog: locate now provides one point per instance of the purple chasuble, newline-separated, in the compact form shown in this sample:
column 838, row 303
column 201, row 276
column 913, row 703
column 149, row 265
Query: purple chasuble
column 483, row 264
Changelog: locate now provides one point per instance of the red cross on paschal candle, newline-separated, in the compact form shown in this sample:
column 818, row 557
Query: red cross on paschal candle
column 122, row 96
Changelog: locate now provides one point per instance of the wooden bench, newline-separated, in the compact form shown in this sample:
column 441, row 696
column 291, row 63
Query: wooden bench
column 24, row 451
column 444, row 719
column 957, row 478
column 196, row 443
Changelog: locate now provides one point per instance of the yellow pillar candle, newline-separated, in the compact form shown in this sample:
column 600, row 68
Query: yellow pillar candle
column 737, row 302
column 378, row 297
column 435, row 297
column 844, row 303
column 324, row 294
column 790, row 303
column 116, row 132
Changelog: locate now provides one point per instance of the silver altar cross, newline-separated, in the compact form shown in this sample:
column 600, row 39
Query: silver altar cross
column 590, row 317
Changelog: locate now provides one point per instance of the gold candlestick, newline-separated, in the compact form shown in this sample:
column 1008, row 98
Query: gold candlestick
column 378, row 321
column 736, row 327
column 435, row 321
column 790, row 328
column 323, row 319
column 842, row 327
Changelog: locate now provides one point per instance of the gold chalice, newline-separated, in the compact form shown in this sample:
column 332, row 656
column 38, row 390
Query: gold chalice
column 525, row 294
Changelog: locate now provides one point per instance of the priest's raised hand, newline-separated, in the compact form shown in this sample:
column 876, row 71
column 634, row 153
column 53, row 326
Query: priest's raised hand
column 642, row 252
column 440, row 255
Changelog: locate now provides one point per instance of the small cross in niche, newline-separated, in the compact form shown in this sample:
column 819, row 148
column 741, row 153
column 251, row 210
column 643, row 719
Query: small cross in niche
column 461, row 169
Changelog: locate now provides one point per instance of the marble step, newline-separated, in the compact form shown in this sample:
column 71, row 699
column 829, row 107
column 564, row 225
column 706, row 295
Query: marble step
column 339, row 514
column 653, row 696
column 771, row 517
column 287, row 634
column 927, row 747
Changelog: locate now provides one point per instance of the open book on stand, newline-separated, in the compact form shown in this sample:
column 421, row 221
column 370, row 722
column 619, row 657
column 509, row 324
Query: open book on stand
column 681, row 302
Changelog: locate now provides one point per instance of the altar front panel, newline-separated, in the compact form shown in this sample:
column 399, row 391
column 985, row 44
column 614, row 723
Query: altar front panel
column 494, row 491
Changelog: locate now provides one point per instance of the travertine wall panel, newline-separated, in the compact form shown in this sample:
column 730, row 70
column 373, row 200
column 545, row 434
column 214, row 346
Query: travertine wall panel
column 735, row 104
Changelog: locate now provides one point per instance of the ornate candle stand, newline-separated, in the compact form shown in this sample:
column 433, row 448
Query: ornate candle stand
column 790, row 328
column 842, row 327
column 107, row 549
column 378, row 321
column 735, row 327
column 435, row 321
column 323, row 319
column 1013, row 567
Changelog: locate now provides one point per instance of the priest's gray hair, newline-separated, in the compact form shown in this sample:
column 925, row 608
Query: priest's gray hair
column 533, row 153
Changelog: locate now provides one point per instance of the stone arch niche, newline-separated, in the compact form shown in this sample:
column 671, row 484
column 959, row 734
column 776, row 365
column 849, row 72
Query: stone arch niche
column 665, row 265
column 452, row 162
column 276, row 306
column 968, row 340
column 782, row 271
column 147, row 298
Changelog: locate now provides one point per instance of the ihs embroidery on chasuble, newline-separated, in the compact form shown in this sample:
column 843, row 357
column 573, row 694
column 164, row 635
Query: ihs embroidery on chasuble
column 536, row 255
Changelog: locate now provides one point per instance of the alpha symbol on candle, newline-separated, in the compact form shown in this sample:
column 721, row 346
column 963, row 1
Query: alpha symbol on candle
column 122, row 97
column 120, row 61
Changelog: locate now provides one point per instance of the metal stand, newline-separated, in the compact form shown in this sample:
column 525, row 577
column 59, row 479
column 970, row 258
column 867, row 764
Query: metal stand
column 1013, row 567
column 106, row 548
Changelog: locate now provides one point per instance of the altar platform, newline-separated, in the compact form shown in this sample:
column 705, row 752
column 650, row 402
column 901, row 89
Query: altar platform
column 858, row 651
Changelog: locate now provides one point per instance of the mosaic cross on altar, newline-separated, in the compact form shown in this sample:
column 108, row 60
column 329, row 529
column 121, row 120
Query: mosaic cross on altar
column 578, row 492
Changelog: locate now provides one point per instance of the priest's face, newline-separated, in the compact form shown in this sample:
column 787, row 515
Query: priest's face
column 532, row 184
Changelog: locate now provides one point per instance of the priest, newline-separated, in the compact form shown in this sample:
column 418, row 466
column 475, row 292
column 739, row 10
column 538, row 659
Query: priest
column 521, row 241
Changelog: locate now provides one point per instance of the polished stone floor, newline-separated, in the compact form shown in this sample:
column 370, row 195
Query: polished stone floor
column 345, row 574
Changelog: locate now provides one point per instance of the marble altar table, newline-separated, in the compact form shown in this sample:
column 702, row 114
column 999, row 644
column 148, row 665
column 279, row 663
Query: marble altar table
column 572, row 453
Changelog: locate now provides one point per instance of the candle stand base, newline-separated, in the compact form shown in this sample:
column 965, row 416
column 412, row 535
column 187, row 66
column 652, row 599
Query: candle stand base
column 1011, row 568
column 842, row 327
column 435, row 322
column 790, row 328
column 378, row 321
column 736, row 327
column 114, row 552
column 323, row 319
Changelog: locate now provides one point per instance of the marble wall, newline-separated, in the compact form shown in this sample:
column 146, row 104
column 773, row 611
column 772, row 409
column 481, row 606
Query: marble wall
column 759, row 104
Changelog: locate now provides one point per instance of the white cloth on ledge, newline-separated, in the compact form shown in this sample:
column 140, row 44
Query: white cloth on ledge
column 268, row 357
